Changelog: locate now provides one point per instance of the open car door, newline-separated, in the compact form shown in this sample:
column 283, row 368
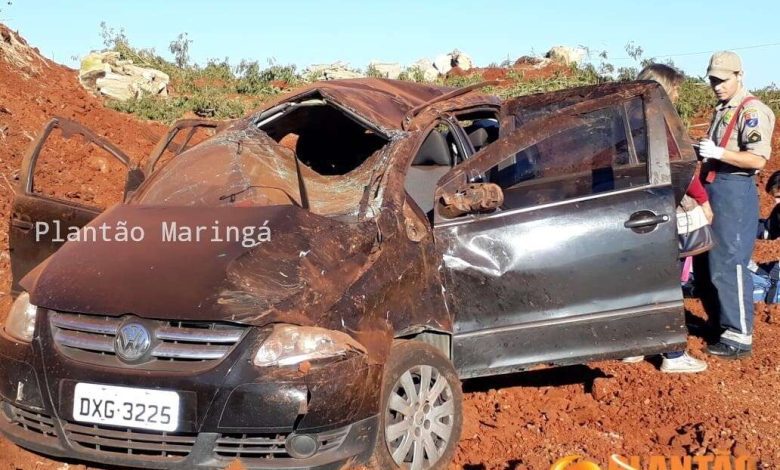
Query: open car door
column 45, row 210
column 580, row 261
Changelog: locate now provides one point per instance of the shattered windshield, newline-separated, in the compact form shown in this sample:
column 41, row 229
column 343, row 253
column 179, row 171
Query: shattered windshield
column 243, row 166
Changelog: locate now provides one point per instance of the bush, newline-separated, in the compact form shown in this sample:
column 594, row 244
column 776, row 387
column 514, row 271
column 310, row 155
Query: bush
column 254, row 81
column 372, row 71
column 579, row 76
column 152, row 107
column 460, row 81
column 770, row 96
column 413, row 74
column 696, row 98
column 213, row 104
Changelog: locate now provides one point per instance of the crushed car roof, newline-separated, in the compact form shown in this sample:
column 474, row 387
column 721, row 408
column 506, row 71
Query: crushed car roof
column 382, row 101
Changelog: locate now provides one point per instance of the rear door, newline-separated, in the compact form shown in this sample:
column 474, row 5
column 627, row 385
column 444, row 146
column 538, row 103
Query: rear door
column 581, row 261
column 69, row 177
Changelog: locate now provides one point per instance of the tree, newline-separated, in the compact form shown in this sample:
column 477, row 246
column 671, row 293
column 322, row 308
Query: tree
column 112, row 38
column 180, row 48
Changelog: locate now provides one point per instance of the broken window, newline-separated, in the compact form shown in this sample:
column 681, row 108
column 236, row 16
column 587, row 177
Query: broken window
column 253, row 163
column 73, row 168
column 438, row 153
column 324, row 137
column 481, row 127
column 182, row 136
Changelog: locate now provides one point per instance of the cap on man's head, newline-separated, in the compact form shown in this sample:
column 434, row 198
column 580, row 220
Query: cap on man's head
column 724, row 64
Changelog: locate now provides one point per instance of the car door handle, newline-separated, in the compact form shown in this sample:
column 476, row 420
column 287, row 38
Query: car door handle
column 645, row 219
column 24, row 225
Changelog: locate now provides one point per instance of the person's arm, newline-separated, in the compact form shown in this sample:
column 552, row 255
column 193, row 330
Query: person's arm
column 756, row 124
column 696, row 190
column 708, row 211
column 746, row 160
column 743, row 159
column 699, row 194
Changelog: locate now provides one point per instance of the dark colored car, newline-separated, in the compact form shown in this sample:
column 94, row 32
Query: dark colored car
column 390, row 239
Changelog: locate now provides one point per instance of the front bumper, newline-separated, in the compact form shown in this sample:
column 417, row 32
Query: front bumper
column 230, row 411
column 205, row 450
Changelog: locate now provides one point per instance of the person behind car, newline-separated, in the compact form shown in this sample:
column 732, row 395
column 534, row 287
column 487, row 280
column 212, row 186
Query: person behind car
column 769, row 228
column 670, row 80
column 737, row 147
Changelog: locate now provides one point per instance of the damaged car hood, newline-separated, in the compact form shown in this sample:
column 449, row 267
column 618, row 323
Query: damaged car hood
column 252, row 265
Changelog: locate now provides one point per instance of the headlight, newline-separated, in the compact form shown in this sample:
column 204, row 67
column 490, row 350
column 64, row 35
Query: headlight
column 20, row 323
column 290, row 344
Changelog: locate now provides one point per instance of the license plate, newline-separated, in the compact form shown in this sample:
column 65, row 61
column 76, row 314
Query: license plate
column 127, row 407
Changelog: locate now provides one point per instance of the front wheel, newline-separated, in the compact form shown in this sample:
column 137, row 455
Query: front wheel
column 421, row 411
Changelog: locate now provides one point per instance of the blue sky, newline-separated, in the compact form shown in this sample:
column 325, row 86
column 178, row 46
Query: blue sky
column 306, row 32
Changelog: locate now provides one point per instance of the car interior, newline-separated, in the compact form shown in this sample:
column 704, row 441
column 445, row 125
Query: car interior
column 324, row 137
column 433, row 160
column 439, row 153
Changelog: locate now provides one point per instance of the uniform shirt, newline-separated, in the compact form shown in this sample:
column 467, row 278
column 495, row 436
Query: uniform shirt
column 753, row 132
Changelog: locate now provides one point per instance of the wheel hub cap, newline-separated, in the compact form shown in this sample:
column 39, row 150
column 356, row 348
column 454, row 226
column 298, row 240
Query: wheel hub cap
column 419, row 418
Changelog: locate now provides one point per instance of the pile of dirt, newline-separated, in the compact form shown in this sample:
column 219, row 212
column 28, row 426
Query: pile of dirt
column 34, row 90
column 524, row 68
column 523, row 421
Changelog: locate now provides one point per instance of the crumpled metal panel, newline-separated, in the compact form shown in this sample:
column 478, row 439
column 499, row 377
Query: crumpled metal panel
column 243, row 166
column 385, row 102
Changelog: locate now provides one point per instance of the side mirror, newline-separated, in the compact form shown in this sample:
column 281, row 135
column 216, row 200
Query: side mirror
column 474, row 198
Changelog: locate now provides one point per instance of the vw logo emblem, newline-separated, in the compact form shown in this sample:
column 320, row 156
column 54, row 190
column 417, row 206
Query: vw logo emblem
column 132, row 342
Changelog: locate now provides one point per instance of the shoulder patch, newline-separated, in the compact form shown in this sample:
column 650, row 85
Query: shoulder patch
column 750, row 116
column 753, row 137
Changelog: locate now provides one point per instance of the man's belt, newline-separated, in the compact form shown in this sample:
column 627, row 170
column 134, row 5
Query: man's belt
column 713, row 167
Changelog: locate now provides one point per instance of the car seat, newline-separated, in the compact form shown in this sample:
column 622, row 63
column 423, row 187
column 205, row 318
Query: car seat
column 431, row 162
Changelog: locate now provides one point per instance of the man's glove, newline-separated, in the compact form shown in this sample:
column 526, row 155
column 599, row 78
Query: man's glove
column 708, row 149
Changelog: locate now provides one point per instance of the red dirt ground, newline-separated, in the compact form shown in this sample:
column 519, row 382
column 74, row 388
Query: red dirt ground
column 523, row 421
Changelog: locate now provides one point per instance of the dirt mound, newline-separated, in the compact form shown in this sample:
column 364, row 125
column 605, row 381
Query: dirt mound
column 34, row 90
column 525, row 68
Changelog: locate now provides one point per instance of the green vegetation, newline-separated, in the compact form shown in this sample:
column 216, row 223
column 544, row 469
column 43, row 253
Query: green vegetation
column 222, row 91
column 216, row 90
column 771, row 97
column 413, row 73
column 696, row 98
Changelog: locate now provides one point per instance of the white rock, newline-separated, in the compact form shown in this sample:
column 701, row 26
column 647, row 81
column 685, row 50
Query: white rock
column 334, row 71
column 464, row 61
column 443, row 63
column 428, row 70
column 116, row 86
column 106, row 74
column 567, row 55
column 386, row 69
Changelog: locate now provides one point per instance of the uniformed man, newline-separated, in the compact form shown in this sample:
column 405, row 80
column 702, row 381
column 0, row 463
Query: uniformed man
column 738, row 146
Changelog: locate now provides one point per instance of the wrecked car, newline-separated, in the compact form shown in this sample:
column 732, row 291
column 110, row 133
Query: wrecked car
column 414, row 236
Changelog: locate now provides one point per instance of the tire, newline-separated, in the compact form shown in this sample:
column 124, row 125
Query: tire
column 418, row 434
